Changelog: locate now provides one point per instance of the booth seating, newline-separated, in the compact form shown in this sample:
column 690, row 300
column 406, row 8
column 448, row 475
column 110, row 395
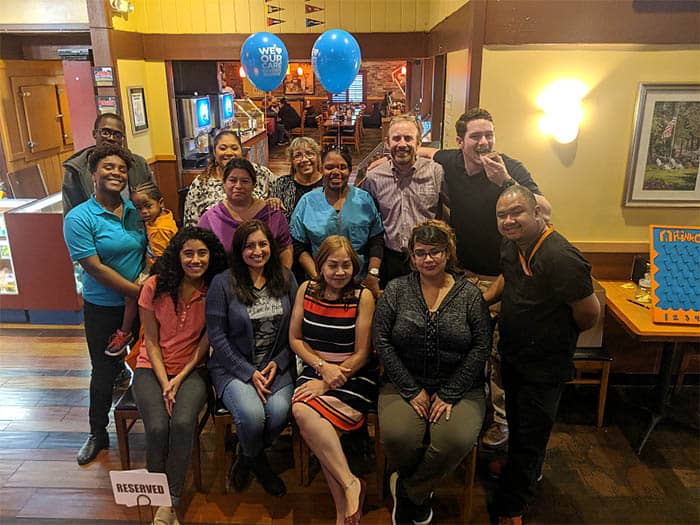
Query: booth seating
column 126, row 414
column 302, row 453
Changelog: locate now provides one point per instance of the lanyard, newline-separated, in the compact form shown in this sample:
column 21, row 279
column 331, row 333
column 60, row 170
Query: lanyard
column 526, row 264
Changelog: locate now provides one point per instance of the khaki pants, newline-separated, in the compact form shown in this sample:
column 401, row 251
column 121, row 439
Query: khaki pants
column 424, row 453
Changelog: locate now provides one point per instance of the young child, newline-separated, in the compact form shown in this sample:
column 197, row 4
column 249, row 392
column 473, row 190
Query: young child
column 160, row 228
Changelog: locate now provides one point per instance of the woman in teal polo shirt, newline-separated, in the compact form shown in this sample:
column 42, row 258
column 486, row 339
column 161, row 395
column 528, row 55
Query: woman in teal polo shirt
column 105, row 235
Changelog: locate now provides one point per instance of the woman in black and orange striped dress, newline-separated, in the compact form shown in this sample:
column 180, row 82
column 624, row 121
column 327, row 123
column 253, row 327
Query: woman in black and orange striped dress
column 330, row 330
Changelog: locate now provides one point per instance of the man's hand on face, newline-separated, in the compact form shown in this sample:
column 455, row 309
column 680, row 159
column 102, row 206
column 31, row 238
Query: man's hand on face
column 495, row 168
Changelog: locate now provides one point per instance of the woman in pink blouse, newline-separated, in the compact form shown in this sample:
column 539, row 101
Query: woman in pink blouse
column 171, row 381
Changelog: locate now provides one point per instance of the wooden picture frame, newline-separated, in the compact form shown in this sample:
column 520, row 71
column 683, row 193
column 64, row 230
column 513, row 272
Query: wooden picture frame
column 137, row 109
column 296, row 84
column 663, row 167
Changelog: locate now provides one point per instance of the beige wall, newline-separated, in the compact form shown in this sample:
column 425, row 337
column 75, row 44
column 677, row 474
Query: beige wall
column 455, row 94
column 585, row 180
column 43, row 12
column 249, row 16
column 157, row 140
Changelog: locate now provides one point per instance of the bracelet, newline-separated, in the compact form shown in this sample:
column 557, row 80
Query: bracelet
column 319, row 366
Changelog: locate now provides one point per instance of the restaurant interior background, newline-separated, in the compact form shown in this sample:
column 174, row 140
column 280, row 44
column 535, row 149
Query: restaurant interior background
column 499, row 54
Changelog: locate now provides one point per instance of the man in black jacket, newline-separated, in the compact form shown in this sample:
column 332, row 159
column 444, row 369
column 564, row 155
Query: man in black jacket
column 287, row 119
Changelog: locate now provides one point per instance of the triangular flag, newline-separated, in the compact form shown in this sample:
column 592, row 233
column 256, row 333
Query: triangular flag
column 274, row 21
column 310, row 22
column 312, row 9
column 274, row 9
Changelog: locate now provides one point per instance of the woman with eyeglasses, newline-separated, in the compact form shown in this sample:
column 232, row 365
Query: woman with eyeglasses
column 339, row 209
column 304, row 156
column 240, row 204
column 433, row 334
column 207, row 189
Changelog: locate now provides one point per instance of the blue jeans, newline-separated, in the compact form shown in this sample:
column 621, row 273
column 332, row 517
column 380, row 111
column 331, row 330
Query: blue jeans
column 257, row 424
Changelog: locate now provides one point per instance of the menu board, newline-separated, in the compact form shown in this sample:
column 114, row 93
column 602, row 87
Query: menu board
column 675, row 274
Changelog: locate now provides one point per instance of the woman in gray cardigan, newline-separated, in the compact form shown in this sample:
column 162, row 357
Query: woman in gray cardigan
column 432, row 332
column 248, row 309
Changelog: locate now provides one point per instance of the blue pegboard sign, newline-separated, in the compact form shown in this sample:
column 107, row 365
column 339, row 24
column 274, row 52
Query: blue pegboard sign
column 675, row 274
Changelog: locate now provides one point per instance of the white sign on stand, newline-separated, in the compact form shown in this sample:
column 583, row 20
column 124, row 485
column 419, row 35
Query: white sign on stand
column 140, row 487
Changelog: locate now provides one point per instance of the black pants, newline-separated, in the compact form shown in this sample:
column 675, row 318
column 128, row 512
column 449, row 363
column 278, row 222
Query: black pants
column 394, row 264
column 100, row 323
column 531, row 409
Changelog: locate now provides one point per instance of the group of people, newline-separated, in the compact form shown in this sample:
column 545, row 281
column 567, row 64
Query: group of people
column 287, row 294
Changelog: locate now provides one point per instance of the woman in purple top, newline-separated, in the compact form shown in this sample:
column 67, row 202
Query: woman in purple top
column 240, row 205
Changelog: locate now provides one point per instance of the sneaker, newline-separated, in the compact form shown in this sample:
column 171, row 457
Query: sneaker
column 496, row 436
column 123, row 379
column 165, row 516
column 403, row 511
column 119, row 342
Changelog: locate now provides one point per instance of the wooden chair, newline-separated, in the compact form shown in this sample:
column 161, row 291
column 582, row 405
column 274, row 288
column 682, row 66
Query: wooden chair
column 690, row 355
column 324, row 136
column 126, row 414
column 598, row 361
column 28, row 183
column 303, row 453
column 355, row 138
column 298, row 105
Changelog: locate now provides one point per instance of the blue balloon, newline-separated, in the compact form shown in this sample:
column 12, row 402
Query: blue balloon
column 264, row 59
column 336, row 59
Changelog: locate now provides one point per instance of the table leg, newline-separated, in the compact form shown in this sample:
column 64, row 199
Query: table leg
column 668, row 357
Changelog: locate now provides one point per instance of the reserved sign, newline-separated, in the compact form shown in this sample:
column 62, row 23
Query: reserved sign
column 134, row 487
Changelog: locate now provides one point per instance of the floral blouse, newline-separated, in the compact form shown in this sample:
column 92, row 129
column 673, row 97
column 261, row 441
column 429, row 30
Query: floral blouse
column 207, row 193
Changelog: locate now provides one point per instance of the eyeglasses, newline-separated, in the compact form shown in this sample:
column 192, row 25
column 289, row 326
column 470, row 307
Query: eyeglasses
column 298, row 155
column 434, row 253
column 106, row 133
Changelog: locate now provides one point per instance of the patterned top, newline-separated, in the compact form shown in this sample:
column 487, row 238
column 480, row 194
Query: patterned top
column 329, row 327
column 406, row 200
column 205, row 193
column 290, row 192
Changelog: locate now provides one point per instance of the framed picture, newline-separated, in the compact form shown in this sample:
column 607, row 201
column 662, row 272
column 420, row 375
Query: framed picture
column 137, row 105
column 300, row 79
column 665, row 154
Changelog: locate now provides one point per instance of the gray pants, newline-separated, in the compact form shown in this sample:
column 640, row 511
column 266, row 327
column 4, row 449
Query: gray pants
column 169, row 439
column 424, row 453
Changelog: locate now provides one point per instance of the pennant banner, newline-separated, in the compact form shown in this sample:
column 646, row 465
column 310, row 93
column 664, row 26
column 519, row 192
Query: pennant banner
column 274, row 9
column 274, row 21
column 310, row 22
column 312, row 8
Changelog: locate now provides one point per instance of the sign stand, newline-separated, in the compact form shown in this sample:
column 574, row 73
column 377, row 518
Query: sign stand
column 144, row 501
column 140, row 488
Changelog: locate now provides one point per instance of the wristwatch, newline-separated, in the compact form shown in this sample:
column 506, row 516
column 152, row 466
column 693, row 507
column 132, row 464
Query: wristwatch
column 374, row 272
column 507, row 183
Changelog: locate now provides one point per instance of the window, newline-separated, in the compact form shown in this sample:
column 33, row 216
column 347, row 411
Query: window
column 355, row 93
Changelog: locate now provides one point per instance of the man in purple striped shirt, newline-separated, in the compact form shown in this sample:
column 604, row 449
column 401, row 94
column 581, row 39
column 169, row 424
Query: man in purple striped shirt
column 408, row 190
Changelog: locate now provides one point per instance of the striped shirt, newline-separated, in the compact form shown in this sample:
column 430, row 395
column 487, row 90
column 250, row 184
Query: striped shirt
column 406, row 200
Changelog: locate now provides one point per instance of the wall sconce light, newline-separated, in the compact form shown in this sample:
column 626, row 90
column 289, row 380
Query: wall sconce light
column 403, row 70
column 122, row 6
column 561, row 103
column 300, row 71
column 241, row 72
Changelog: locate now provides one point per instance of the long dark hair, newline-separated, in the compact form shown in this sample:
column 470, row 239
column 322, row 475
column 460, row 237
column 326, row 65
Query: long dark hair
column 210, row 170
column 274, row 272
column 168, row 267
column 328, row 246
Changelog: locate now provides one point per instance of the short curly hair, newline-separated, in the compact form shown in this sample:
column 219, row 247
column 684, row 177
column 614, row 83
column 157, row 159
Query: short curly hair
column 436, row 233
column 100, row 153
column 304, row 143
column 168, row 267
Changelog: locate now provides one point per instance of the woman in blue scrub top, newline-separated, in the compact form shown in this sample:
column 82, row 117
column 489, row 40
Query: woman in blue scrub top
column 105, row 235
column 339, row 209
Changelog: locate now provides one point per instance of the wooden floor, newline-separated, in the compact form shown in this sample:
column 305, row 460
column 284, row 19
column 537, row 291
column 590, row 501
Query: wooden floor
column 590, row 476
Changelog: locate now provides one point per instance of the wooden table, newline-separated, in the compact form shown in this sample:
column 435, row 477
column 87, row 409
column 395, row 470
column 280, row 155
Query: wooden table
column 637, row 322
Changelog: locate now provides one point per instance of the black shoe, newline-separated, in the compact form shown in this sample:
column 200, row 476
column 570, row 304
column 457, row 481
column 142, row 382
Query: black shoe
column 404, row 509
column 270, row 481
column 241, row 475
column 91, row 448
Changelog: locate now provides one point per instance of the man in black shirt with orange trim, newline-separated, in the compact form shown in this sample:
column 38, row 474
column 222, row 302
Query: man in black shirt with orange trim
column 547, row 298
